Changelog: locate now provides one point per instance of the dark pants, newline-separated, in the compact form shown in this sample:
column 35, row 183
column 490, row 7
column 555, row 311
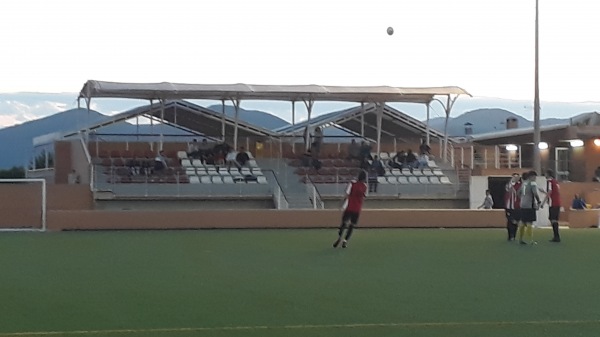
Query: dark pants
column 349, row 219
column 512, row 222
column 554, row 213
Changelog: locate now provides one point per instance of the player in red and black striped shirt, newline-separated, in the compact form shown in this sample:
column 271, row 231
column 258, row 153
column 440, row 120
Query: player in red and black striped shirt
column 553, row 200
column 355, row 194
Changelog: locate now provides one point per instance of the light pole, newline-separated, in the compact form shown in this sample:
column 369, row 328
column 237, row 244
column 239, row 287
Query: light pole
column 537, row 163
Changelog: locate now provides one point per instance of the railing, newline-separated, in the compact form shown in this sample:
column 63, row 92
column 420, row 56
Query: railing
column 279, row 197
column 90, row 165
column 315, row 196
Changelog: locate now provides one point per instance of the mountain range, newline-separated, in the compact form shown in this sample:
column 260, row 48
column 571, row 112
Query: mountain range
column 17, row 148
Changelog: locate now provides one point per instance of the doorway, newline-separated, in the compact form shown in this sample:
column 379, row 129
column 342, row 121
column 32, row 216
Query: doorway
column 497, row 187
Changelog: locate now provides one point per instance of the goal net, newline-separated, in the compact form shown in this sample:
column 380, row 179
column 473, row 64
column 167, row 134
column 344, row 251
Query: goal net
column 22, row 205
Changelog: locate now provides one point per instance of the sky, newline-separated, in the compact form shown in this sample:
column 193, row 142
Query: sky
column 483, row 46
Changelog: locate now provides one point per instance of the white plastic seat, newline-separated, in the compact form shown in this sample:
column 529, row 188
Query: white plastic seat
column 249, row 154
column 261, row 179
column 190, row 171
column 432, row 164
column 384, row 156
column 417, row 172
column 186, row 163
column 434, row 180
column 396, row 172
column 217, row 180
column 392, row 179
column 194, row 180
column 228, row 180
column 427, row 172
column 445, row 180
column 423, row 180
column 252, row 163
column 181, row 155
column 235, row 173
column 246, row 171
column 413, row 180
column 201, row 171
column 205, row 180
column 438, row 172
column 403, row 180
column 382, row 180
column 257, row 172
column 212, row 171
column 406, row 172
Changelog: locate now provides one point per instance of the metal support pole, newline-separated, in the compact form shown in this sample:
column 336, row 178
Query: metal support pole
column 537, row 161
column 485, row 158
column 223, row 120
column 379, row 121
column 362, row 119
column 427, row 126
column 236, row 103
column 520, row 164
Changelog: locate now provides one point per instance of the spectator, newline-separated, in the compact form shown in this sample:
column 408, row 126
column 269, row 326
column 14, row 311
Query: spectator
column 411, row 159
column 318, row 141
column 377, row 166
column 596, row 175
column 424, row 148
column 354, row 150
column 73, row 178
column 372, row 179
column 230, row 159
column 423, row 161
column 578, row 202
column 488, row 202
column 205, row 151
column 365, row 151
column 242, row 157
column 160, row 162
column 399, row 160
column 193, row 149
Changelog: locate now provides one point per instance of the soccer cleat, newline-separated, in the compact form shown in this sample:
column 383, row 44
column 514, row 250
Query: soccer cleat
column 344, row 244
column 336, row 243
column 555, row 240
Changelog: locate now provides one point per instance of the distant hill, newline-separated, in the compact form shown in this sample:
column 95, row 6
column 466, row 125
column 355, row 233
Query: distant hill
column 486, row 120
column 254, row 117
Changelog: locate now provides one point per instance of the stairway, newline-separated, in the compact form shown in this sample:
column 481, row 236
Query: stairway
column 294, row 190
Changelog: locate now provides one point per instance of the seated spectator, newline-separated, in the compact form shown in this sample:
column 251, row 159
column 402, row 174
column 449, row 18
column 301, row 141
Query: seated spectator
column 205, row 151
column 230, row 159
column 242, row 157
column 133, row 165
column 160, row 162
column 354, row 150
column 372, row 179
column 193, row 149
column 578, row 203
column 411, row 160
column 424, row 148
column 399, row 160
column 377, row 166
column 423, row 161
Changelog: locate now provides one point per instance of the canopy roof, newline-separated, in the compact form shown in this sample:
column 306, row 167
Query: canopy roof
column 189, row 117
column 395, row 123
column 173, row 91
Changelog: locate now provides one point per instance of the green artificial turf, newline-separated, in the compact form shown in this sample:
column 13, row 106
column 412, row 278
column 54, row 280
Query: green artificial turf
column 388, row 282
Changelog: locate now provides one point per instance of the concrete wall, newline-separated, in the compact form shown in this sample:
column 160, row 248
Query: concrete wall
column 82, row 220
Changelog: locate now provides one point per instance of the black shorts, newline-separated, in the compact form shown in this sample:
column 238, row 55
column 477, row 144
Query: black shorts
column 513, row 215
column 351, row 216
column 553, row 213
column 528, row 215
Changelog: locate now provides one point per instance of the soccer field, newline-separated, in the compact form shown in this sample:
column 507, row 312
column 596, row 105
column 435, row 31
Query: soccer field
column 388, row 282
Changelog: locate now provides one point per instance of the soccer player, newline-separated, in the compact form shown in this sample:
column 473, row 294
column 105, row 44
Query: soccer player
column 512, row 206
column 530, row 200
column 355, row 194
column 553, row 200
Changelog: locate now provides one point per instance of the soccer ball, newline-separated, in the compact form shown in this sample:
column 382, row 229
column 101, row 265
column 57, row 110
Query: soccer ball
column 390, row 31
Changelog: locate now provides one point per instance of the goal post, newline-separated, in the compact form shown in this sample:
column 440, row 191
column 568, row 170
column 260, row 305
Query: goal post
column 22, row 205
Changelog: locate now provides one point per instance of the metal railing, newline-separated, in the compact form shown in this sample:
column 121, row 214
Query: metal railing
column 314, row 195
column 279, row 197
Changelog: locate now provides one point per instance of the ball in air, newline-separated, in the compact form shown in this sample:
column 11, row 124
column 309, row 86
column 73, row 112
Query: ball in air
column 390, row 31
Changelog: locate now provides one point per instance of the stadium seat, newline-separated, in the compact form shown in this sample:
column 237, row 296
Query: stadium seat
column 424, row 180
column 235, row 173
column 182, row 155
column 445, row 180
column 392, row 179
column 417, row 173
column 212, row 171
column 384, row 156
column 438, row 172
column 413, row 180
column 252, row 163
column 228, row 180
column 382, row 180
column 406, row 172
column 217, row 180
column 206, row 180
column 190, row 171
column 432, row 164
column 427, row 172
column 402, row 180
column 257, row 172
column 434, row 180
column 246, row 171
column 186, row 163
column 201, row 171
column 261, row 179
column 396, row 172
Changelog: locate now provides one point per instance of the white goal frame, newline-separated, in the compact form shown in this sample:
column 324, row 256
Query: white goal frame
column 29, row 180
